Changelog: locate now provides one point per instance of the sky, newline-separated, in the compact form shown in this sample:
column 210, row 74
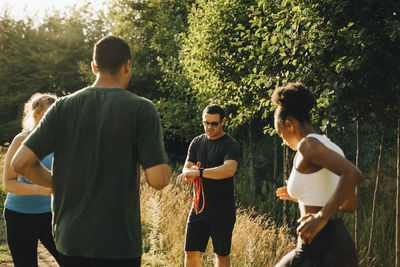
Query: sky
column 21, row 8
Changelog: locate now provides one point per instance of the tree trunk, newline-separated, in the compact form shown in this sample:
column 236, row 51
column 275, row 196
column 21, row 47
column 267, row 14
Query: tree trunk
column 373, row 213
column 356, row 215
column 284, row 178
column 251, row 170
column 244, row 171
column 398, row 191
column 274, row 185
column 287, row 156
column 275, row 159
column 293, row 207
column 327, row 123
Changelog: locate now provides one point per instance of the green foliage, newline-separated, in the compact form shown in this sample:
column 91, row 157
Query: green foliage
column 363, row 53
column 189, row 53
column 218, row 61
column 237, row 52
column 48, row 57
column 154, row 30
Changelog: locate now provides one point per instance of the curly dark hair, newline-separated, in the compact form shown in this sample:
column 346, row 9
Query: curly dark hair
column 294, row 100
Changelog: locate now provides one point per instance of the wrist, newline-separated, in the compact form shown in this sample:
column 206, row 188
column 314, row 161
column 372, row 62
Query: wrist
column 37, row 189
column 201, row 172
column 44, row 191
column 322, row 215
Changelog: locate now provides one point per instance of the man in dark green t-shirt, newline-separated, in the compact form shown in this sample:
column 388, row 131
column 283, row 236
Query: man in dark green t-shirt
column 218, row 154
column 98, row 135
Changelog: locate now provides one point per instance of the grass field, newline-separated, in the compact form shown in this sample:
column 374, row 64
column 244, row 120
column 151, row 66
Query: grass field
column 256, row 240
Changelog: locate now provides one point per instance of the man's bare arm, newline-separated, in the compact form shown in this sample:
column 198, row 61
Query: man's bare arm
column 158, row 176
column 190, row 171
column 226, row 170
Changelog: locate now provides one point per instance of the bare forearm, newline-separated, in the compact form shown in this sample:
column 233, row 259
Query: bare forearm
column 190, row 171
column 342, row 193
column 220, row 172
column 37, row 174
column 158, row 176
column 350, row 204
column 24, row 189
column 26, row 163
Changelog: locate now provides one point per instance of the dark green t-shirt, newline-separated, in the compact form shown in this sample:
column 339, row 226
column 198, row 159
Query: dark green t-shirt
column 98, row 137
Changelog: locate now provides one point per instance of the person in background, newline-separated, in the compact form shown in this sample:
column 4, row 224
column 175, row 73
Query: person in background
column 99, row 136
column 27, row 209
column 322, row 182
column 219, row 155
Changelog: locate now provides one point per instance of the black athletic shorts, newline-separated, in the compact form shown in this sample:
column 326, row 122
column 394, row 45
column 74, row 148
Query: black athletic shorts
column 331, row 247
column 219, row 229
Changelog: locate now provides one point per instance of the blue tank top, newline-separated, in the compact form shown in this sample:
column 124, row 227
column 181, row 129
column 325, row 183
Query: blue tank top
column 32, row 203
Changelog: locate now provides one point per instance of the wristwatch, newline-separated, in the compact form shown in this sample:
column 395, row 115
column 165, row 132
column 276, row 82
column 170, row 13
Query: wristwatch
column 201, row 172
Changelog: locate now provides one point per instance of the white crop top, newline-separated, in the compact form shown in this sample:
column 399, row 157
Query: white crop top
column 314, row 189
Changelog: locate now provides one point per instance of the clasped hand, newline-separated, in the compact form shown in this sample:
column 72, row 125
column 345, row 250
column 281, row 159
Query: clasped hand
column 310, row 225
column 283, row 194
column 188, row 175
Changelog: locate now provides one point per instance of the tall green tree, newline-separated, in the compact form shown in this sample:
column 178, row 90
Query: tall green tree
column 154, row 30
column 46, row 56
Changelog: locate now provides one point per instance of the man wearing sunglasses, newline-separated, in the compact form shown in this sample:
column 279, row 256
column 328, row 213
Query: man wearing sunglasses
column 213, row 156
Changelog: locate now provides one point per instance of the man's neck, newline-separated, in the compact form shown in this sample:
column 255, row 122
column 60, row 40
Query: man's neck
column 216, row 137
column 108, row 81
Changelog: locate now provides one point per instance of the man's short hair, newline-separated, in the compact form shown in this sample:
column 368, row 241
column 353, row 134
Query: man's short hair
column 110, row 53
column 215, row 109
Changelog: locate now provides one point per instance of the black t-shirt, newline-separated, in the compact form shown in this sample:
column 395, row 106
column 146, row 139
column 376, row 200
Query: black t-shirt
column 219, row 194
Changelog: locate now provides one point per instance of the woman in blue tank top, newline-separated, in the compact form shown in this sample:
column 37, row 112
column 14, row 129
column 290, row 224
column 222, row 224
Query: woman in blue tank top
column 322, row 182
column 28, row 206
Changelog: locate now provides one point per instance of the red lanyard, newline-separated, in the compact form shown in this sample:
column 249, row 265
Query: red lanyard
column 198, row 188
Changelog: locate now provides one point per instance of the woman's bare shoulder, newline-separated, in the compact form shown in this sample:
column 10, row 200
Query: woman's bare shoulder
column 311, row 147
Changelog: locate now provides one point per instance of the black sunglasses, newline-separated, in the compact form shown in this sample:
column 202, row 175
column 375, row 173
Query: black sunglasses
column 213, row 123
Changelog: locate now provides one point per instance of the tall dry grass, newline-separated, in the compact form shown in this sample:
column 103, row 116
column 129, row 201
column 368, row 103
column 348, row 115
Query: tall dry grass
column 3, row 151
column 256, row 240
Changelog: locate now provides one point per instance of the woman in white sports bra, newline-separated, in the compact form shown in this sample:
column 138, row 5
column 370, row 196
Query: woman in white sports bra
column 322, row 181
